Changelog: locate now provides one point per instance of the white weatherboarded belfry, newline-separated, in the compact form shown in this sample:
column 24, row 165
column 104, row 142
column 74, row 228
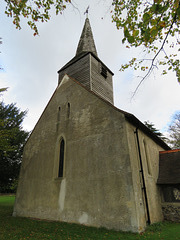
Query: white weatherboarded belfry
column 86, row 161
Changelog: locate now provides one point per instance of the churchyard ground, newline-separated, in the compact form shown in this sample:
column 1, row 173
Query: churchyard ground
column 17, row 228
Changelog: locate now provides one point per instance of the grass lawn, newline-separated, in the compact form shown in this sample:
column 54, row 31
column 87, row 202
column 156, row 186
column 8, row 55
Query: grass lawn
column 22, row 228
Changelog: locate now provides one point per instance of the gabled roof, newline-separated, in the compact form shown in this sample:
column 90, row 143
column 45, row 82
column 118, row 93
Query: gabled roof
column 169, row 167
column 131, row 118
column 86, row 42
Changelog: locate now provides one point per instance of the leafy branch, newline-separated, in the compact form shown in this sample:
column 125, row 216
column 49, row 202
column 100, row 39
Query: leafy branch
column 34, row 11
column 154, row 58
column 148, row 24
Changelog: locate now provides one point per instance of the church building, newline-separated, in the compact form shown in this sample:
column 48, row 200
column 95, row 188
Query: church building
column 86, row 161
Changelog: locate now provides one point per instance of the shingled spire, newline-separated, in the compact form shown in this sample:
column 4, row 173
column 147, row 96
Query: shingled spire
column 87, row 68
column 86, row 42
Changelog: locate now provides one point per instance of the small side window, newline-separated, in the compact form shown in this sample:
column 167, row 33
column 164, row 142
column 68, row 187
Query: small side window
column 103, row 71
column 59, row 113
column 68, row 110
column 61, row 158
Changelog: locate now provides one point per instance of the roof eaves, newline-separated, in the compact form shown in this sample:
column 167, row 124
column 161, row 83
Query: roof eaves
column 73, row 60
column 131, row 118
column 169, row 151
column 78, row 57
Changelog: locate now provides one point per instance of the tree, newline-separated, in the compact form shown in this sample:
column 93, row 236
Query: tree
column 155, row 25
column 2, row 90
column 33, row 11
column 12, row 140
column 154, row 130
column 174, row 131
column 0, row 52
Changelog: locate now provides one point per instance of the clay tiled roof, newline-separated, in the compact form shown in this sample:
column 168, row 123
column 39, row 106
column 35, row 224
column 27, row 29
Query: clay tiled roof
column 169, row 167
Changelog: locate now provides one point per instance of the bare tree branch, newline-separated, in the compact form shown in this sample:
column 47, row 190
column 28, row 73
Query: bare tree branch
column 152, row 60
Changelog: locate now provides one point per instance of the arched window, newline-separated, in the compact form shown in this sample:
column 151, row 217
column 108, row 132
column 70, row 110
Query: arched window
column 61, row 158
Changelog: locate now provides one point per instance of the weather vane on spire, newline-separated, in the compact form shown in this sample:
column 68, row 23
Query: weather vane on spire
column 86, row 12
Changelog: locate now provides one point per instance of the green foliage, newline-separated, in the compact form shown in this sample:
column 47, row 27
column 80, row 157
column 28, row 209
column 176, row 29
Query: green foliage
column 153, row 24
column 14, row 186
column 154, row 130
column 22, row 228
column 174, row 131
column 33, row 11
column 12, row 139
column 3, row 90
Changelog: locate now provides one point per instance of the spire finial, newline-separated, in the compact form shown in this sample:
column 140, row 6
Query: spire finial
column 86, row 12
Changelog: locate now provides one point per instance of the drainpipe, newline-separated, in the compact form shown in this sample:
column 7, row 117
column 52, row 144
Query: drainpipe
column 143, row 179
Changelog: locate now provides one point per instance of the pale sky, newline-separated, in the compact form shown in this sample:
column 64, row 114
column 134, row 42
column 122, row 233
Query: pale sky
column 31, row 63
